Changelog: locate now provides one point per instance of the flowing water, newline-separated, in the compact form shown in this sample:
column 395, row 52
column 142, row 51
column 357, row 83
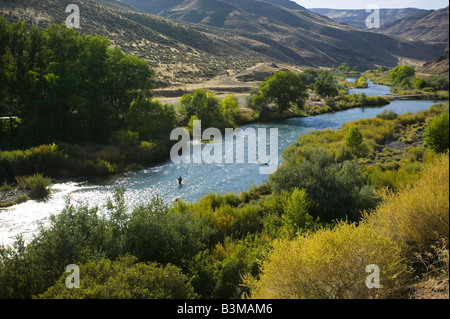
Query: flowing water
column 198, row 179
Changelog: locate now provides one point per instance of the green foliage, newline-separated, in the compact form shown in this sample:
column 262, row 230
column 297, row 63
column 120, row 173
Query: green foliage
column 67, row 87
column 354, row 138
column 285, row 89
column 154, row 233
column 202, row 104
column 326, row 88
column 361, row 83
column 402, row 76
column 387, row 115
column 347, row 101
column 437, row 133
column 337, row 191
column 124, row 279
column 309, row 76
column 151, row 119
column 229, row 108
column 418, row 215
column 38, row 185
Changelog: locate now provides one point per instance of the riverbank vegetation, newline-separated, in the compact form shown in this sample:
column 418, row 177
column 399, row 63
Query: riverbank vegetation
column 335, row 206
column 405, row 81
column 73, row 106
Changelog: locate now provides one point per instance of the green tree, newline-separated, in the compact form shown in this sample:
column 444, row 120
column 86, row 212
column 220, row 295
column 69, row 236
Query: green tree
column 66, row 87
column 344, row 67
column 437, row 133
column 354, row 138
column 336, row 190
column 419, row 83
column 326, row 88
column 202, row 104
column 309, row 76
column 402, row 75
column 151, row 119
column 230, row 107
column 285, row 89
column 328, row 264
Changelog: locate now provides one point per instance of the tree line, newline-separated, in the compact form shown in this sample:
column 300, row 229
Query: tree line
column 60, row 86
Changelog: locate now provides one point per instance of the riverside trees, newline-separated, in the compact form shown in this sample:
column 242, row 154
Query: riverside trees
column 67, row 87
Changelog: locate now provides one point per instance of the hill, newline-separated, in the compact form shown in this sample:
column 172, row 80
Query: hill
column 437, row 66
column 289, row 33
column 426, row 25
column 190, row 41
column 357, row 18
column 177, row 52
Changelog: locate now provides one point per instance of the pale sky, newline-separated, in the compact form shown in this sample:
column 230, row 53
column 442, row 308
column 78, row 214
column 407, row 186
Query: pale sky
column 362, row 4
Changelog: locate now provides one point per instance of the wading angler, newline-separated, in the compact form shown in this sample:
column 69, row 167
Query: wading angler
column 259, row 150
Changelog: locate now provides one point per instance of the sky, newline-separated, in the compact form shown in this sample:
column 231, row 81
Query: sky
column 362, row 4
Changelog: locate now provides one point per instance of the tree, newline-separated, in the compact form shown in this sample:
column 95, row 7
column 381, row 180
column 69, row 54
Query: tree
column 419, row 83
column 326, row 88
column 437, row 133
column 309, row 76
column 151, row 119
column 354, row 138
column 344, row 67
column 401, row 74
column 229, row 108
column 66, row 87
column 202, row 104
column 285, row 89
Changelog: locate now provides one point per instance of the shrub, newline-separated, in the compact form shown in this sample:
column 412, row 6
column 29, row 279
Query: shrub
column 419, row 214
column 387, row 115
column 336, row 190
column 437, row 133
column 328, row 264
column 361, row 83
column 154, row 233
column 124, row 279
column 37, row 184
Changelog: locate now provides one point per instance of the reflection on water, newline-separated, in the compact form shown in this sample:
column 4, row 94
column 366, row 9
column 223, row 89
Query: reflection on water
column 198, row 179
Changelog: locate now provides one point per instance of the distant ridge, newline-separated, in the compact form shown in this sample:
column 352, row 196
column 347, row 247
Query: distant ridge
column 215, row 37
column 426, row 25
column 357, row 18
column 286, row 31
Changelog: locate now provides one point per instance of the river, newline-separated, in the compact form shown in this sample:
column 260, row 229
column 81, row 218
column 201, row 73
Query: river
column 199, row 179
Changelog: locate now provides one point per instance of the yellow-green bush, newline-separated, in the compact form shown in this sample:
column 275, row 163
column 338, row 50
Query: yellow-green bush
column 419, row 214
column 328, row 264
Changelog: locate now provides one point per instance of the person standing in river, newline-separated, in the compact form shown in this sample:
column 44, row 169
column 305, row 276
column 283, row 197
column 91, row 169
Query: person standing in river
column 180, row 180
